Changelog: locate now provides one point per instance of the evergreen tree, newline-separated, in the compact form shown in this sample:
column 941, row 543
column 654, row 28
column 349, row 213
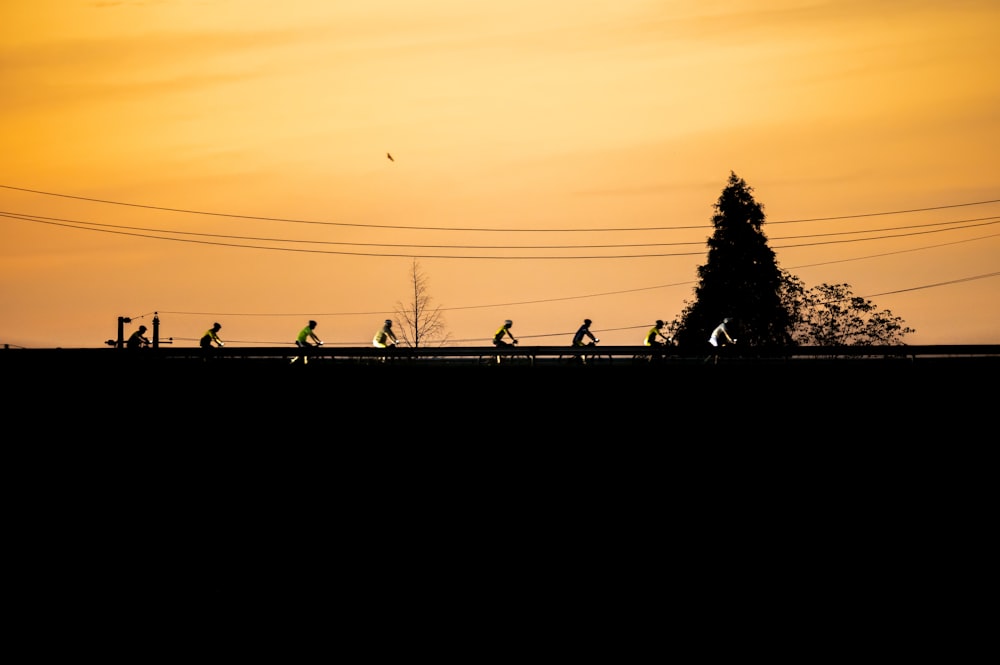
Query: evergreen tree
column 740, row 279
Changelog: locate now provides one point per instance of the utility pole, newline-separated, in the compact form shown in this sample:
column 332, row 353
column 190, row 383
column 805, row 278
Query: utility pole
column 122, row 320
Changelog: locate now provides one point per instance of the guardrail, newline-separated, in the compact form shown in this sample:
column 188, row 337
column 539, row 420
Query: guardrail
column 514, row 355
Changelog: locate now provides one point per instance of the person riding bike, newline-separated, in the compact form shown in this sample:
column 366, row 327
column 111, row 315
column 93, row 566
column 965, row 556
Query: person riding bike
column 720, row 337
column 211, row 336
column 138, row 339
column 584, row 331
column 654, row 332
column 307, row 338
column 306, row 334
column 385, row 338
column 502, row 332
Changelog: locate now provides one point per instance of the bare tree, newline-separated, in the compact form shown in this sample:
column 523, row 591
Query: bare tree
column 421, row 322
column 831, row 315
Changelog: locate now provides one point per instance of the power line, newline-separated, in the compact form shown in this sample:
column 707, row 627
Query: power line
column 900, row 251
column 885, row 237
column 490, row 230
column 408, row 255
column 936, row 284
column 88, row 226
column 876, row 214
column 988, row 220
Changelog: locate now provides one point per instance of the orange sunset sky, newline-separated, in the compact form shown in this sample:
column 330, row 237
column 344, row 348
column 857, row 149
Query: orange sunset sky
column 226, row 160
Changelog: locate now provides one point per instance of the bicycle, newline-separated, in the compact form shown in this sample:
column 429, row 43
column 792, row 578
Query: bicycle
column 585, row 358
column 657, row 352
column 304, row 354
column 723, row 349
column 387, row 355
column 504, row 358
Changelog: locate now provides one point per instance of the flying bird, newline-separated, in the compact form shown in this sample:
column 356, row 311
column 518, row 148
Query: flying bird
column 390, row 157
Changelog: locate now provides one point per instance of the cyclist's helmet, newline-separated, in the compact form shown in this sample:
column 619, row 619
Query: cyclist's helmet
column 388, row 322
column 508, row 323
column 659, row 324
column 312, row 324
column 586, row 322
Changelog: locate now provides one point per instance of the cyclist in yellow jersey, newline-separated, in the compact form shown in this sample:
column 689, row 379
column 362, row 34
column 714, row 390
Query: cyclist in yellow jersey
column 211, row 336
column 384, row 337
column 654, row 332
column 502, row 332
